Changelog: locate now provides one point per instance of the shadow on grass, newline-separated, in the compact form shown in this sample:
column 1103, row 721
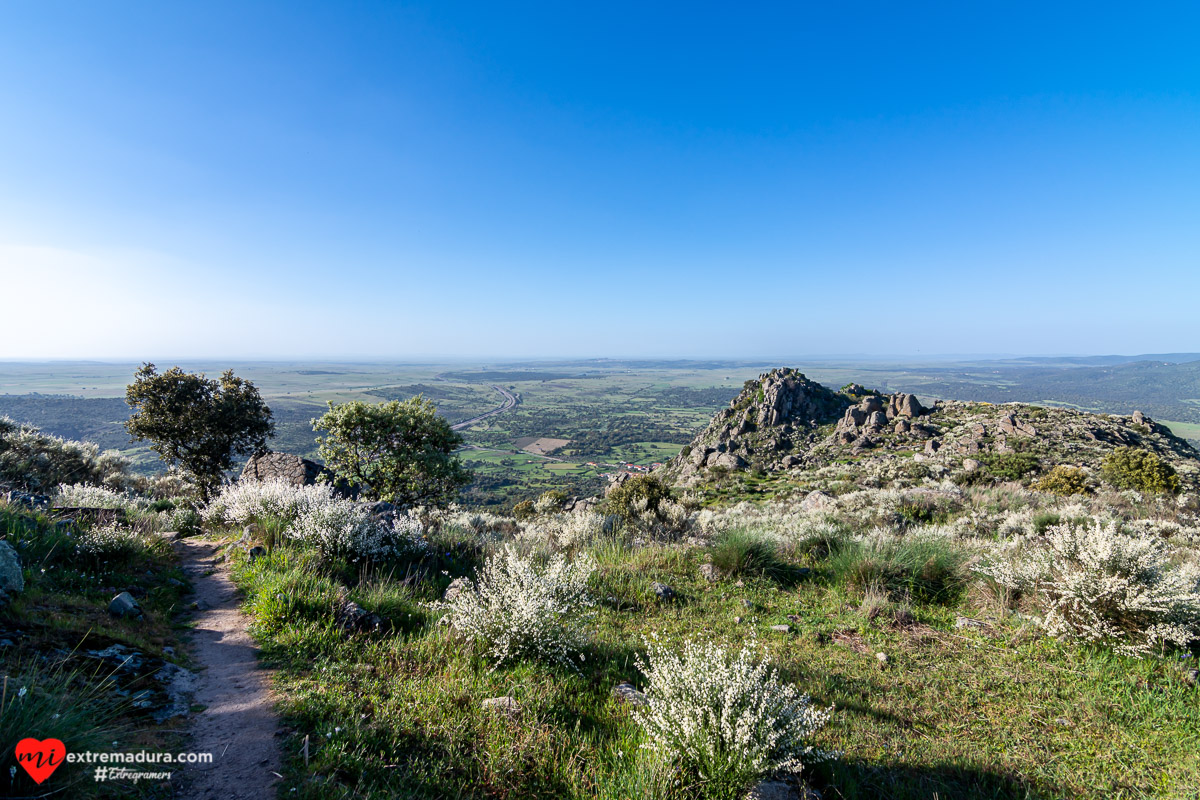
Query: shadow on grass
column 857, row 779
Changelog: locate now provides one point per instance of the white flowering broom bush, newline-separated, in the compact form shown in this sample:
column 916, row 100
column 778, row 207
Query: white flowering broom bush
column 256, row 501
column 726, row 717
column 1097, row 583
column 341, row 528
column 523, row 607
column 86, row 495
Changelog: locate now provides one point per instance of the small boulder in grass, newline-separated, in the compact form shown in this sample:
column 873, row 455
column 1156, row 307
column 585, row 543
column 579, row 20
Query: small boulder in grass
column 709, row 572
column 123, row 605
column 508, row 706
column 663, row 591
column 782, row 628
column 627, row 693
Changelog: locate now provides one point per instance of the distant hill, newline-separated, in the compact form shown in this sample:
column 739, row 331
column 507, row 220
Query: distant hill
column 1164, row 390
column 1101, row 361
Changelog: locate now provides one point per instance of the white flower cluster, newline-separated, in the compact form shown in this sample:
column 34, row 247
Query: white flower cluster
column 340, row 528
column 107, row 542
column 565, row 531
column 1099, row 584
column 727, row 716
column 245, row 502
column 517, row 607
column 86, row 495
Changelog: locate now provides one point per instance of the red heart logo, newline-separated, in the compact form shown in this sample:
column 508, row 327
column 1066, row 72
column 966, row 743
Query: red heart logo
column 40, row 759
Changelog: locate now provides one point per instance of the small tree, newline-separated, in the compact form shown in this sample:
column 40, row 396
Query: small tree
column 196, row 423
column 400, row 451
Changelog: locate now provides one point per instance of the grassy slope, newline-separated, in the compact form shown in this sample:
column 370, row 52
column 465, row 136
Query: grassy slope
column 61, row 614
column 998, row 713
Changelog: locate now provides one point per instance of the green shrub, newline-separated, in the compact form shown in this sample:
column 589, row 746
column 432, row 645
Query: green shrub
column 186, row 520
column 626, row 501
column 1064, row 481
column 1140, row 470
column 1011, row 466
column 925, row 569
column 737, row 553
column 523, row 509
column 1044, row 521
column 39, row 462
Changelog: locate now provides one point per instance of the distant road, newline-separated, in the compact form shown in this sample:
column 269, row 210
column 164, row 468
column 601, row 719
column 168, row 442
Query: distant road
column 510, row 400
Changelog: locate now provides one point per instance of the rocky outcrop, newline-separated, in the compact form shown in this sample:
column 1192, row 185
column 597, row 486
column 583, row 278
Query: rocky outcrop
column 271, row 466
column 874, row 413
column 773, row 417
column 292, row 469
column 784, row 423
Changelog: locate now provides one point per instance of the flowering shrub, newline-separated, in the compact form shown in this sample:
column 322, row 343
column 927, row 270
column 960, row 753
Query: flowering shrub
column 517, row 607
column 84, row 495
column 245, row 502
column 109, row 545
column 1098, row 584
column 341, row 528
column 724, row 717
column 565, row 531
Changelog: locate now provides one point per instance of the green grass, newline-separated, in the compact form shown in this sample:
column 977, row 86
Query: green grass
column 998, row 712
column 61, row 613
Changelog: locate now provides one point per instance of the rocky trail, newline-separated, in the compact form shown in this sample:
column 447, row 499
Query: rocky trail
column 238, row 725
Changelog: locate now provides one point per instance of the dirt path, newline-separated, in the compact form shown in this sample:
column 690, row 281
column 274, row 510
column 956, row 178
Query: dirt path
column 238, row 724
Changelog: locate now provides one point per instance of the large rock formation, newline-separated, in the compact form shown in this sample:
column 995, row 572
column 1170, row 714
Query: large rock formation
column 784, row 422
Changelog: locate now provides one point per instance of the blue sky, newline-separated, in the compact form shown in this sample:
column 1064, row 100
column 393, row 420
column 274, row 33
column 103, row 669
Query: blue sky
column 397, row 180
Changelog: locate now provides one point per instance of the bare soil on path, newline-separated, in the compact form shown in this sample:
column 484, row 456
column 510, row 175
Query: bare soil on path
column 238, row 724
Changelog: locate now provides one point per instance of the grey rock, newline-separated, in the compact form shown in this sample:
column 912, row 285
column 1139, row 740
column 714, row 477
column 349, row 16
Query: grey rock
column 271, row 466
column 1139, row 418
column 970, row 464
column 256, row 552
column 11, row 579
column 902, row 426
column 772, row 790
column 123, row 605
column 180, row 685
column 503, row 705
column 932, row 446
column 728, row 460
column 871, row 405
column 708, row 572
column 456, row 586
column 877, row 421
column 790, row 462
column 353, row 617
column 967, row 622
column 627, row 693
column 909, row 406
column 782, row 628
column 1011, row 425
column 815, row 501
column 663, row 591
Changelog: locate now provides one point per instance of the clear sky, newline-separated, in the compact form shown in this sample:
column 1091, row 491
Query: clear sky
column 397, row 180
